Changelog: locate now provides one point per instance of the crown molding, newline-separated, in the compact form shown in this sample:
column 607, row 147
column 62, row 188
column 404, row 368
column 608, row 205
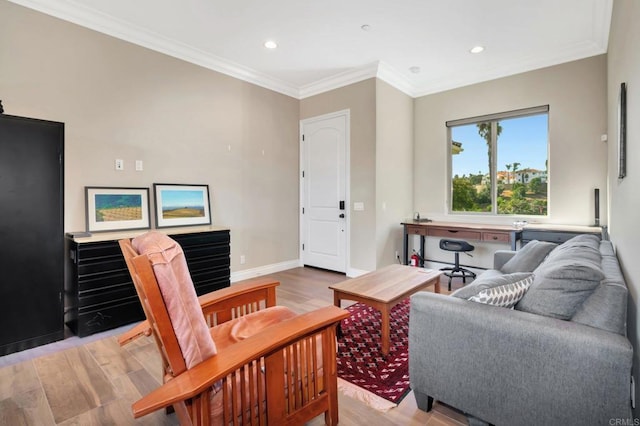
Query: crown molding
column 79, row 14
column 339, row 80
column 379, row 69
column 390, row 75
column 577, row 51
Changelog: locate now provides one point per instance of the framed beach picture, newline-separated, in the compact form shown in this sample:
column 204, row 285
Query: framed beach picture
column 181, row 205
column 113, row 209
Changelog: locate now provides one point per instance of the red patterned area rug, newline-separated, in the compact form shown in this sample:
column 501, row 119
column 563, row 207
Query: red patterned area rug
column 360, row 360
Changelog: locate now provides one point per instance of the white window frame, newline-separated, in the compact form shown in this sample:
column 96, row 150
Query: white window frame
column 493, row 118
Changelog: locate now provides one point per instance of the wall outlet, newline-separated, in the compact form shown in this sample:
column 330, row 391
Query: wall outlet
column 139, row 166
column 243, row 259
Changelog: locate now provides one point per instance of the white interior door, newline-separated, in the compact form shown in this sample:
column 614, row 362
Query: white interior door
column 324, row 191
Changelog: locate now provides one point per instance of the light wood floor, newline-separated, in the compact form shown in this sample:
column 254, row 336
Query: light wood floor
column 95, row 383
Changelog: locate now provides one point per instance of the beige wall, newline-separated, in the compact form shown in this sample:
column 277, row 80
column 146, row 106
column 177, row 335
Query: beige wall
column 360, row 99
column 394, row 169
column 575, row 93
column 188, row 125
column 192, row 125
column 624, row 201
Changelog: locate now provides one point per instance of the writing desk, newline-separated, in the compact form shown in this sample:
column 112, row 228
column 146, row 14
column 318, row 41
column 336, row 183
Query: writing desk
column 461, row 231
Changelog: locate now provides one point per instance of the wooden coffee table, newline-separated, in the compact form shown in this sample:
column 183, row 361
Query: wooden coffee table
column 385, row 288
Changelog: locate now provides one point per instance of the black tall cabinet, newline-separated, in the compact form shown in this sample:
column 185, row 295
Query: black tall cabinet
column 31, row 232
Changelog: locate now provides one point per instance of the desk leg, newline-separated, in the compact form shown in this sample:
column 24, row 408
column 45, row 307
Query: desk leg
column 406, row 246
column 423, row 255
column 384, row 335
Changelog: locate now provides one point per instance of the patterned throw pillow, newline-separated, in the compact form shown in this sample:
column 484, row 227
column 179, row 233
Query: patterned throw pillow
column 505, row 296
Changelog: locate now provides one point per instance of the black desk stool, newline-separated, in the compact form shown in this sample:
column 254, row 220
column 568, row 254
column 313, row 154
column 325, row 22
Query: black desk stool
column 457, row 246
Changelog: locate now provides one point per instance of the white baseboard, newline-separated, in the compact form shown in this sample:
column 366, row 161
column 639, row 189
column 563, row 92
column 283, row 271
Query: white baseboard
column 282, row 266
column 353, row 273
column 264, row 270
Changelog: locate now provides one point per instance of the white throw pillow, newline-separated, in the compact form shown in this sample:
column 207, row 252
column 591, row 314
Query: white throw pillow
column 505, row 296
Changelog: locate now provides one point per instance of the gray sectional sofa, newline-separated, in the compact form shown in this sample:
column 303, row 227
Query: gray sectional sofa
column 560, row 356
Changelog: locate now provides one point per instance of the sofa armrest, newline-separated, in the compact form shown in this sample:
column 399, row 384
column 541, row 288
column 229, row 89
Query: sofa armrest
column 505, row 366
column 500, row 257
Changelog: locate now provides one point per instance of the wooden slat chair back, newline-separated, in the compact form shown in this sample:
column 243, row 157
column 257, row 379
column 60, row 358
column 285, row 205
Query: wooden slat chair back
column 285, row 373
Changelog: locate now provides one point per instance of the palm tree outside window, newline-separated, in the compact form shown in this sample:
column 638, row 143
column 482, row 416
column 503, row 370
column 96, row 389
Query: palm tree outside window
column 498, row 163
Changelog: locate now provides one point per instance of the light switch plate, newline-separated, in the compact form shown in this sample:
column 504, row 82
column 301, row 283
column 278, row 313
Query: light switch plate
column 358, row 206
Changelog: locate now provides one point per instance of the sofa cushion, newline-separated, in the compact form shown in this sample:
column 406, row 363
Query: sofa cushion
column 590, row 238
column 606, row 308
column 489, row 279
column 583, row 247
column 505, row 296
column 599, row 310
column 528, row 257
column 560, row 287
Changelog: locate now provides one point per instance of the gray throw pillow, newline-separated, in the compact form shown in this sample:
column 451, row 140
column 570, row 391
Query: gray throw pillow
column 487, row 280
column 528, row 257
column 560, row 287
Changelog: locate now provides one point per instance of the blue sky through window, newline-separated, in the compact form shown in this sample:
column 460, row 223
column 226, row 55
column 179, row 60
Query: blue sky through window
column 523, row 140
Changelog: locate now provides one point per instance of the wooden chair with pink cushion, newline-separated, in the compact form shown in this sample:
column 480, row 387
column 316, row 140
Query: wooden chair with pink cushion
column 230, row 356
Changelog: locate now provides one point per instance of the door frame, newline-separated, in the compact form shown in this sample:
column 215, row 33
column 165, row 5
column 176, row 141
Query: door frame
column 346, row 113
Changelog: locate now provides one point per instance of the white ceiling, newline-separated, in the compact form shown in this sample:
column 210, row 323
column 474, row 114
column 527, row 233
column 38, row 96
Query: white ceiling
column 321, row 45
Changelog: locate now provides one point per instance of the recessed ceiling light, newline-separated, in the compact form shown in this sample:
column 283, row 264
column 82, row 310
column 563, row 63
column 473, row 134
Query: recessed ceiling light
column 270, row 44
column 414, row 70
column 365, row 27
column 476, row 49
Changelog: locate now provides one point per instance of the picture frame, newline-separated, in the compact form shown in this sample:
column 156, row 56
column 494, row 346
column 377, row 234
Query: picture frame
column 116, row 209
column 622, row 131
column 181, row 205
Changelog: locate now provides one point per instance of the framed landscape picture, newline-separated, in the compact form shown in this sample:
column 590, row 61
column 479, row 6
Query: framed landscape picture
column 181, row 205
column 112, row 209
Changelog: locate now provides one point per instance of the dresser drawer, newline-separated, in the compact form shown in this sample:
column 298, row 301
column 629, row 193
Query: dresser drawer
column 551, row 236
column 107, row 316
column 416, row 230
column 498, row 237
column 455, row 234
column 100, row 251
column 202, row 239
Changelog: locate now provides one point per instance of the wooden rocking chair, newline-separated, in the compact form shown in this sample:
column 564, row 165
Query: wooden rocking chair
column 230, row 357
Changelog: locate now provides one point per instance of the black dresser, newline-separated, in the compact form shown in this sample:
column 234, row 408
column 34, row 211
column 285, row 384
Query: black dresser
column 99, row 293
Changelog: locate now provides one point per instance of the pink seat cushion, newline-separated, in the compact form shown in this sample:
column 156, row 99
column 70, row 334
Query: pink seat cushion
column 172, row 274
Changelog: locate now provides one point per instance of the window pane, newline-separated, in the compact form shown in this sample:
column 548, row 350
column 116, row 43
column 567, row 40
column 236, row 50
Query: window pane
column 499, row 164
column 522, row 165
column 470, row 167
